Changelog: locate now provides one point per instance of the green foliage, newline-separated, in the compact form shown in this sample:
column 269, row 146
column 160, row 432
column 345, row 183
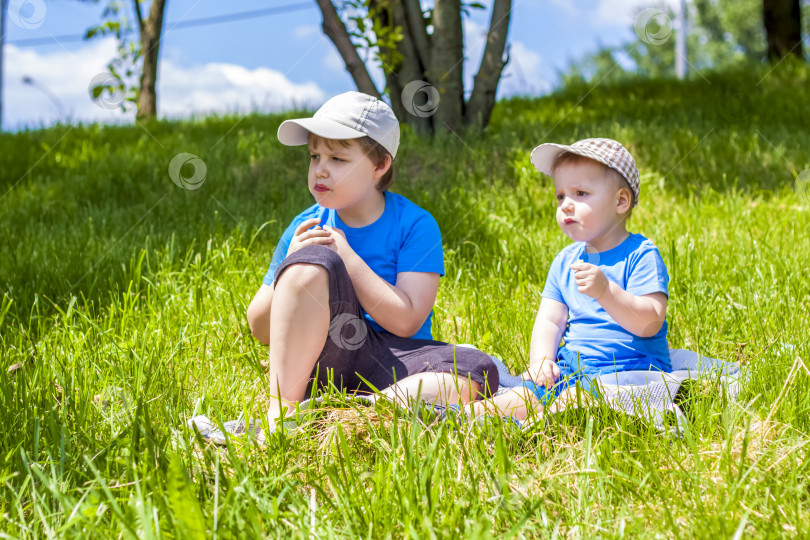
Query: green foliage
column 369, row 23
column 730, row 30
column 183, row 503
column 127, row 64
column 124, row 300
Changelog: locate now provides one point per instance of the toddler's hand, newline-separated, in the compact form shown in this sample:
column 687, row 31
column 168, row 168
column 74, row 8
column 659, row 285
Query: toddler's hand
column 590, row 279
column 544, row 373
column 304, row 236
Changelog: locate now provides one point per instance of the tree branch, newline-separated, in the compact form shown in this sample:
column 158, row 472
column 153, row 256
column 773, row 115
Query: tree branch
column 139, row 15
column 418, row 31
column 336, row 31
column 485, row 86
column 410, row 70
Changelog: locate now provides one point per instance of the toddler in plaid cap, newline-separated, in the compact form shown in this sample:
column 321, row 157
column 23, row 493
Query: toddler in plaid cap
column 605, row 295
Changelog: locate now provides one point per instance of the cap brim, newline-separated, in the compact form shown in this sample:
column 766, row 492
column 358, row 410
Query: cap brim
column 544, row 156
column 295, row 132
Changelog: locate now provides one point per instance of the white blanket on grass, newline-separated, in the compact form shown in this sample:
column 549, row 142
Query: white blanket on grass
column 651, row 394
column 644, row 394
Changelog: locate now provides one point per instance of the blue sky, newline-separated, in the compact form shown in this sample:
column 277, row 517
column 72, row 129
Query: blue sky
column 265, row 63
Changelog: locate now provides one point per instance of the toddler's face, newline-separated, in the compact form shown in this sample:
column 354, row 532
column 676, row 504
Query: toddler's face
column 588, row 201
column 340, row 177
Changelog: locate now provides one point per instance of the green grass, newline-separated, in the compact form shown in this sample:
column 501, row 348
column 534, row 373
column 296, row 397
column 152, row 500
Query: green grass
column 124, row 298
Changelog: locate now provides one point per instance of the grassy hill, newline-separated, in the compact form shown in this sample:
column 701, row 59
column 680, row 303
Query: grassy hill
column 123, row 297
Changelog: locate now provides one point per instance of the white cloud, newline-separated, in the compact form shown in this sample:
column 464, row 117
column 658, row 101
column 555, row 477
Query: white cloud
column 64, row 74
column 214, row 87
column 622, row 12
column 605, row 13
column 182, row 90
column 522, row 74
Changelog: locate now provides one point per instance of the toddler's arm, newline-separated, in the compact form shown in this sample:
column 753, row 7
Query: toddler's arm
column 549, row 325
column 639, row 315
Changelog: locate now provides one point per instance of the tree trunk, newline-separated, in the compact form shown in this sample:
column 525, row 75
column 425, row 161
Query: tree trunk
column 409, row 71
column 429, row 64
column 151, row 30
column 446, row 63
column 783, row 25
column 336, row 31
column 485, row 86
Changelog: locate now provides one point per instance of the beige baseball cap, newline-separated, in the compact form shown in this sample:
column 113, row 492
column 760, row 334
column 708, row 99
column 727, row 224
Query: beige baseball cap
column 351, row 115
column 606, row 151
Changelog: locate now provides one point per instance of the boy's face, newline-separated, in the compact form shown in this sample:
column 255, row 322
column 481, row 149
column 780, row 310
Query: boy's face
column 341, row 177
column 590, row 204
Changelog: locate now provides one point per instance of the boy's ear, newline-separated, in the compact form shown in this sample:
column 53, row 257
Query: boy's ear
column 624, row 200
column 383, row 166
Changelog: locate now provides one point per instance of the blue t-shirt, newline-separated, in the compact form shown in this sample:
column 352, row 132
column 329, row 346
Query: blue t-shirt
column 405, row 238
column 604, row 346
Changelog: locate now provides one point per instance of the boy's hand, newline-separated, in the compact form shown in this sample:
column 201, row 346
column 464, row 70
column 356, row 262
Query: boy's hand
column 304, row 236
column 590, row 279
column 339, row 243
column 545, row 372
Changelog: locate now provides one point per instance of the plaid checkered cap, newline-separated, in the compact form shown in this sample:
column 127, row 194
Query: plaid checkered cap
column 350, row 115
column 606, row 151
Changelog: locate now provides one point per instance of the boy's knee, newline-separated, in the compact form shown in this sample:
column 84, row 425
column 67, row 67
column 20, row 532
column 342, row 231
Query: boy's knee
column 471, row 391
column 304, row 277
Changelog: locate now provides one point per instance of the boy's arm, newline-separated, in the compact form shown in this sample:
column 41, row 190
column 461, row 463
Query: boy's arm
column 549, row 326
column 640, row 315
column 400, row 309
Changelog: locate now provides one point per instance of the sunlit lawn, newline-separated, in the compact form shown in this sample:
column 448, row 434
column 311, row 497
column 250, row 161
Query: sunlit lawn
column 124, row 300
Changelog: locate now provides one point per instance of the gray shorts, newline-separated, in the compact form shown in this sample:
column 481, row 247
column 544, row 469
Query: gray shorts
column 358, row 357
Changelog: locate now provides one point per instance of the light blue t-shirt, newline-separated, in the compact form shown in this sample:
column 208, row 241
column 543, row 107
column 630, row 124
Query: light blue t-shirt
column 405, row 238
column 604, row 346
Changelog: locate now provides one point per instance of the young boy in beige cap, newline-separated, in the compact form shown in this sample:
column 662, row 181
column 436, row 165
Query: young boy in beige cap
column 351, row 286
column 605, row 295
